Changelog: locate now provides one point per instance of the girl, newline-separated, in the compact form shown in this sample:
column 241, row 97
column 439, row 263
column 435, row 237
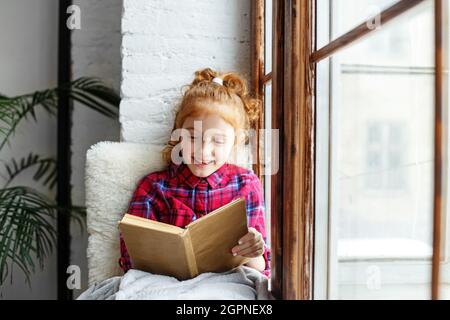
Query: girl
column 200, row 177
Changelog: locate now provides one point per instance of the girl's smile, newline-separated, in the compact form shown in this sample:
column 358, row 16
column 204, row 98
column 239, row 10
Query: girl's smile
column 201, row 163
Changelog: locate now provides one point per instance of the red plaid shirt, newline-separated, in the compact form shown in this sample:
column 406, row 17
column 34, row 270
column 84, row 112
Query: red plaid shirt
column 176, row 196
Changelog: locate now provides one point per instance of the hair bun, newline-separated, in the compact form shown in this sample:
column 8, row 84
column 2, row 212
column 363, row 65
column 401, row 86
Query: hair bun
column 204, row 75
column 235, row 83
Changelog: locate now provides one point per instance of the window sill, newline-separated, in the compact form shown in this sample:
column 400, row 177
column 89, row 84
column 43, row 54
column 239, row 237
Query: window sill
column 383, row 249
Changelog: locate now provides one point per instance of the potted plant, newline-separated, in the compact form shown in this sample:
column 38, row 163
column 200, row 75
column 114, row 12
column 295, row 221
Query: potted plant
column 27, row 231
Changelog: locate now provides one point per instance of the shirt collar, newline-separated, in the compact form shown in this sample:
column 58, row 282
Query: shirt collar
column 183, row 172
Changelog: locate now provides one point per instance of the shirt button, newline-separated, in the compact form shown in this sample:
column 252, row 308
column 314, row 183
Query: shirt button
column 202, row 185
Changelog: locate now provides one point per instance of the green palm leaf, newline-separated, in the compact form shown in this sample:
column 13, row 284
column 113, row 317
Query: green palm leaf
column 26, row 230
column 90, row 92
column 27, row 217
column 45, row 169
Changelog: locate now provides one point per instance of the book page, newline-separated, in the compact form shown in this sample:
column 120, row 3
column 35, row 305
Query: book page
column 214, row 235
column 217, row 211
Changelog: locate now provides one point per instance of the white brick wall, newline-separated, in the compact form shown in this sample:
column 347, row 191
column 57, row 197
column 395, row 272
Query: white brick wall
column 163, row 43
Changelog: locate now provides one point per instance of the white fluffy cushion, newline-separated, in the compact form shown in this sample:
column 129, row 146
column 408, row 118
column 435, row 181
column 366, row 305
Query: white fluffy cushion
column 113, row 170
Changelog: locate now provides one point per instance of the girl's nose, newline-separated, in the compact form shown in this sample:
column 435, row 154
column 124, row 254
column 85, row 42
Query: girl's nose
column 207, row 151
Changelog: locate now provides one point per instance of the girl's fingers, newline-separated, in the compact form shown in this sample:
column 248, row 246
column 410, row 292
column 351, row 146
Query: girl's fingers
column 254, row 250
column 248, row 236
column 250, row 239
column 251, row 234
column 245, row 245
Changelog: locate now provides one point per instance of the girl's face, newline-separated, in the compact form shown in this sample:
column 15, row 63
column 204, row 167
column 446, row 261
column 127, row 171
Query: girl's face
column 207, row 143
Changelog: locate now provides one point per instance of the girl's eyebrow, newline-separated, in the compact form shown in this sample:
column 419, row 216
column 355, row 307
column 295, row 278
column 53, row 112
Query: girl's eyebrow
column 191, row 129
column 216, row 133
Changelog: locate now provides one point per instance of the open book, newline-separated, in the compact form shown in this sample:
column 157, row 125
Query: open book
column 204, row 245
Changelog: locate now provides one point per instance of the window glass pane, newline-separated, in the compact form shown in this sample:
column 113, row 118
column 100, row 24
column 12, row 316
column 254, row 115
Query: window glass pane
column 265, row 135
column 382, row 135
column 267, row 145
column 348, row 14
column 322, row 267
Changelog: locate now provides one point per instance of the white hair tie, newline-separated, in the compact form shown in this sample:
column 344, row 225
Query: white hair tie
column 218, row 80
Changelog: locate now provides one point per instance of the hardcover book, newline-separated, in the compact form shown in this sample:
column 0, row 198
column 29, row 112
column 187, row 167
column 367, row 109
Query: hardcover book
column 204, row 245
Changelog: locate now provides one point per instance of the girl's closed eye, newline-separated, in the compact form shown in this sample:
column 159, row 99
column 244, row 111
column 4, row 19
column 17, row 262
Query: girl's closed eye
column 194, row 136
column 220, row 140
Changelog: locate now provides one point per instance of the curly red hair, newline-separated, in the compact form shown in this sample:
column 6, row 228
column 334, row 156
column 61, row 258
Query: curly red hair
column 201, row 97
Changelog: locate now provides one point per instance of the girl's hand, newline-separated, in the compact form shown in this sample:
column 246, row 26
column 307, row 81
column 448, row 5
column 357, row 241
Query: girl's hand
column 251, row 245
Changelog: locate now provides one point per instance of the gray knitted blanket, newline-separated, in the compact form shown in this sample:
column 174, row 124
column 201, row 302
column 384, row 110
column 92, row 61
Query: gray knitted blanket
column 241, row 283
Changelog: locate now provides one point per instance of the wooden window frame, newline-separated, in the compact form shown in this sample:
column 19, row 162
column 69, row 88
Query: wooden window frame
column 438, row 202
column 294, row 60
column 291, row 215
column 293, row 114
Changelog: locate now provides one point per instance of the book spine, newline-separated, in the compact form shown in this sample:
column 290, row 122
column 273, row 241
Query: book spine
column 190, row 255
